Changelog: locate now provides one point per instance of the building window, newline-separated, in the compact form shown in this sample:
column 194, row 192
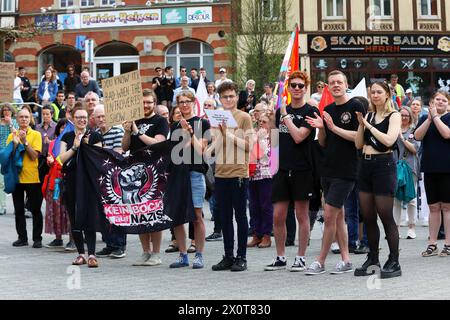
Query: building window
column 334, row 9
column 8, row 5
column 108, row 2
column 65, row 3
column 191, row 54
column 382, row 9
column 271, row 9
column 428, row 8
column 87, row 3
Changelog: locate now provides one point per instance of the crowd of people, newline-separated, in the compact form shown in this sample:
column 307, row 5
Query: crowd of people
column 357, row 159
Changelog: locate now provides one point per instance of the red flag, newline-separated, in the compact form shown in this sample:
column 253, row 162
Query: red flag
column 327, row 99
column 294, row 65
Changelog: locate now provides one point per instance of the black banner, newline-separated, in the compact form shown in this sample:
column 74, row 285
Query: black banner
column 134, row 194
column 379, row 43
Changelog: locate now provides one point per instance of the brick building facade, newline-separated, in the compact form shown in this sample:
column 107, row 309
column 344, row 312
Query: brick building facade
column 127, row 35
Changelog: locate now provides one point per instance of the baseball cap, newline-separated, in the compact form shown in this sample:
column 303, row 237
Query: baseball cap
column 408, row 91
column 222, row 70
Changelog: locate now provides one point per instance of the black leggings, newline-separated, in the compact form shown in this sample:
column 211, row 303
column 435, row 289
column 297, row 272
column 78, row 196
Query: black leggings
column 69, row 201
column 371, row 205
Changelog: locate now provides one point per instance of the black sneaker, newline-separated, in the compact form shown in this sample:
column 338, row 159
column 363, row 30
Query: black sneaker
column 276, row 264
column 105, row 252
column 37, row 244
column 117, row 254
column 20, row 243
column 240, row 264
column 225, row 264
column 57, row 243
column 362, row 249
column 215, row 236
column 289, row 243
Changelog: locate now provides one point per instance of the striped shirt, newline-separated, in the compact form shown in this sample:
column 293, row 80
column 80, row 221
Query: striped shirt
column 112, row 138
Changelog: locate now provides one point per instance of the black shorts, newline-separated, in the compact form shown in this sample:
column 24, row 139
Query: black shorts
column 377, row 174
column 437, row 187
column 292, row 186
column 336, row 191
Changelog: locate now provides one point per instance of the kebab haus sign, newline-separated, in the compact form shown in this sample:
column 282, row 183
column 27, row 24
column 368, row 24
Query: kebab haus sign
column 376, row 44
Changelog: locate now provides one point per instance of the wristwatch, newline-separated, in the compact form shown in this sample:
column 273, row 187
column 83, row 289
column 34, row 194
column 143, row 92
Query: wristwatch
column 26, row 144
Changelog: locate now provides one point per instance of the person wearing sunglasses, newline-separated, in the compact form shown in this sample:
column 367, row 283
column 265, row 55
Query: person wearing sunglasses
column 320, row 85
column 294, row 180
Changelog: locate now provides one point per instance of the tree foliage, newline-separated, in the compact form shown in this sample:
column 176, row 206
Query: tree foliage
column 258, row 40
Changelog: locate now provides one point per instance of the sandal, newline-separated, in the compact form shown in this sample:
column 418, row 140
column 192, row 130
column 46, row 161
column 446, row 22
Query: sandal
column 432, row 250
column 80, row 260
column 192, row 248
column 172, row 248
column 445, row 251
column 92, row 262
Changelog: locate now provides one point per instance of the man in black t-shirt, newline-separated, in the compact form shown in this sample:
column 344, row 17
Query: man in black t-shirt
column 157, row 85
column 138, row 134
column 294, row 179
column 337, row 132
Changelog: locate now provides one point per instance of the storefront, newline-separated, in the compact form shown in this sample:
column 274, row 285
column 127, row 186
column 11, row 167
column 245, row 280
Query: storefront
column 127, row 40
column 422, row 62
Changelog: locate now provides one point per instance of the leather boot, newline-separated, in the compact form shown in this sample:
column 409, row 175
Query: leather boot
column 391, row 268
column 266, row 242
column 254, row 242
column 372, row 263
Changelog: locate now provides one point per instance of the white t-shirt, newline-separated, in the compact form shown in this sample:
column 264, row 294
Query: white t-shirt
column 220, row 81
column 17, row 95
column 46, row 95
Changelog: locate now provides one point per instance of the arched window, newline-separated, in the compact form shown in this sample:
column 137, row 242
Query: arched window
column 113, row 59
column 191, row 54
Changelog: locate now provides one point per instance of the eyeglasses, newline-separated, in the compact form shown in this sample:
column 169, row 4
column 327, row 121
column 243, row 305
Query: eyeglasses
column 228, row 97
column 185, row 102
column 81, row 118
column 297, row 85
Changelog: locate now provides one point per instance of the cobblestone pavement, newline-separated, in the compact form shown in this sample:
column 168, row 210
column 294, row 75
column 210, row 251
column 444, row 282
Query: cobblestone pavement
column 28, row 273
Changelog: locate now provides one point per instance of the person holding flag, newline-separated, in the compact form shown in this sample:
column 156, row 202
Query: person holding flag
column 294, row 179
column 337, row 132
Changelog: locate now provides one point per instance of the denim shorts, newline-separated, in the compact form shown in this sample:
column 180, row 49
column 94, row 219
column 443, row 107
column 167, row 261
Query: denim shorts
column 198, row 187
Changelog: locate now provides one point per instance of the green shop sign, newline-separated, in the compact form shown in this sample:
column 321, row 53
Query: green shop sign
column 174, row 16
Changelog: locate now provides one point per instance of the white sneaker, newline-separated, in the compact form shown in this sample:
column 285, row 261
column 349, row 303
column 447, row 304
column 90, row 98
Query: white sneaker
column 423, row 223
column 335, row 248
column 142, row 259
column 411, row 234
column 154, row 260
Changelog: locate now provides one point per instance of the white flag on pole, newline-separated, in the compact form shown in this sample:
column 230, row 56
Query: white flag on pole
column 200, row 96
column 360, row 90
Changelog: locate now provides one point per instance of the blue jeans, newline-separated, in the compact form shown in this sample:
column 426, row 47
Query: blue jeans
column 352, row 217
column 231, row 197
column 115, row 240
column 213, row 208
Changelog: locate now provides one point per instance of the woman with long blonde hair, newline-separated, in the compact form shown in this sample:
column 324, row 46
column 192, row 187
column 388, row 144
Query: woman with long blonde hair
column 377, row 178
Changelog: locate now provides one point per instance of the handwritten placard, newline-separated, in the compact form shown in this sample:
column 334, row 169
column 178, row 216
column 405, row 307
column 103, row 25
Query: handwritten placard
column 123, row 98
column 217, row 117
column 7, row 76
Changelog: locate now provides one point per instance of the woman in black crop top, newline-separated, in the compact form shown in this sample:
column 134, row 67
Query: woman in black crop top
column 377, row 177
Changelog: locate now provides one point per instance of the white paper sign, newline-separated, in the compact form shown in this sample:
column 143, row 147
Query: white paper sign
column 217, row 117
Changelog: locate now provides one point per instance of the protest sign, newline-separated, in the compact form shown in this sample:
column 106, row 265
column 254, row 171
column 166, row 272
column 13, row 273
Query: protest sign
column 7, row 76
column 217, row 117
column 123, row 98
